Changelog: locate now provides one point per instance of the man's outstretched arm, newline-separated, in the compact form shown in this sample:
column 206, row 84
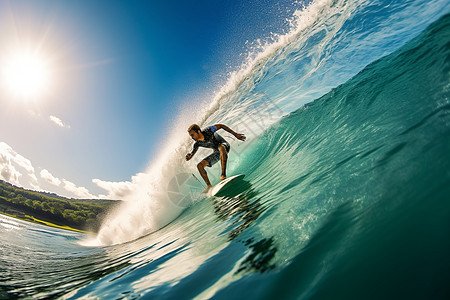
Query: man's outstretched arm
column 239, row 136
column 190, row 155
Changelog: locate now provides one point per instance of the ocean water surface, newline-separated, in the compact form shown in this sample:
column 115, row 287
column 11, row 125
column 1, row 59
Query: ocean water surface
column 347, row 186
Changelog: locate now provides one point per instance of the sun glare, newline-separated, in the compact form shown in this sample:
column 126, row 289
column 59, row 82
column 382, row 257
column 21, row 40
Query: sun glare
column 26, row 75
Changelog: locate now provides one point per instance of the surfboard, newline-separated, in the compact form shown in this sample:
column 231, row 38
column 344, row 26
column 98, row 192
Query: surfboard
column 225, row 183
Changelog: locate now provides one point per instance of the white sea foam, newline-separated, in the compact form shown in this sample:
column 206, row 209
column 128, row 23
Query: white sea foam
column 150, row 206
column 324, row 47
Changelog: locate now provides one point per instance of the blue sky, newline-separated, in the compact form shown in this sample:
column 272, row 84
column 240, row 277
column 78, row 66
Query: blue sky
column 119, row 72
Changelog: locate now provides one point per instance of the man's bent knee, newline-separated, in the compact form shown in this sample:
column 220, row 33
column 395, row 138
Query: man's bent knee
column 222, row 149
column 202, row 164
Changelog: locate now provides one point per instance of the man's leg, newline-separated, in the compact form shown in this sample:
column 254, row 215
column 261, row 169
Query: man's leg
column 223, row 161
column 201, row 168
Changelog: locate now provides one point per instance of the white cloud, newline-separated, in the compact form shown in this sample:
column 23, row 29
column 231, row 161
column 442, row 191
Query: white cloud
column 120, row 190
column 47, row 176
column 7, row 171
column 18, row 170
column 59, row 122
column 10, row 165
column 80, row 192
column 116, row 190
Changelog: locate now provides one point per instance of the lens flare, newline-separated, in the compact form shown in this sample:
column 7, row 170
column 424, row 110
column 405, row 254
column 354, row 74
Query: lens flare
column 26, row 75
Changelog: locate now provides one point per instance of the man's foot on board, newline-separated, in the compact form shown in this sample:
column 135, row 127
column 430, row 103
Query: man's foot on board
column 207, row 189
column 223, row 177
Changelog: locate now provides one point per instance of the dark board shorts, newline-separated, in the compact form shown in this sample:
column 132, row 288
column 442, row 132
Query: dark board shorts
column 215, row 156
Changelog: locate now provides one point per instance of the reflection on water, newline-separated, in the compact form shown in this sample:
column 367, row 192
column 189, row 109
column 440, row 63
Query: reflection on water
column 162, row 262
column 242, row 209
column 259, row 260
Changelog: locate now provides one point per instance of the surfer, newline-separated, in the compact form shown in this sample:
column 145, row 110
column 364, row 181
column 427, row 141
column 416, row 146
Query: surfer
column 209, row 138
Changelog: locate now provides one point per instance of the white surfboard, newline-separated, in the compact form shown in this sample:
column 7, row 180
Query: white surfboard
column 215, row 189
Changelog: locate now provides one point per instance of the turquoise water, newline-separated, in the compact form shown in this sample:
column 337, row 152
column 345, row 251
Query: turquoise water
column 347, row 181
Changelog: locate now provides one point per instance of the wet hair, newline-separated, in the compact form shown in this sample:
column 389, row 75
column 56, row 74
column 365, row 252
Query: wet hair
column 194, row 127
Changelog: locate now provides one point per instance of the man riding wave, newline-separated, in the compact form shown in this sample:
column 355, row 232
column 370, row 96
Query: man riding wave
column 209, row 138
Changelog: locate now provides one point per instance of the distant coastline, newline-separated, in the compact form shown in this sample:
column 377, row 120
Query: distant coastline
column 22, row 216
column 81, row 215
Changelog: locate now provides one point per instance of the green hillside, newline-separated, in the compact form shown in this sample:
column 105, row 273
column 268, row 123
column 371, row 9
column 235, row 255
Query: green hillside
column 50, row 209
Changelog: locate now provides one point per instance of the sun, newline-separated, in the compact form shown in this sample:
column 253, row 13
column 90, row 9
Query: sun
column 26, row 75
